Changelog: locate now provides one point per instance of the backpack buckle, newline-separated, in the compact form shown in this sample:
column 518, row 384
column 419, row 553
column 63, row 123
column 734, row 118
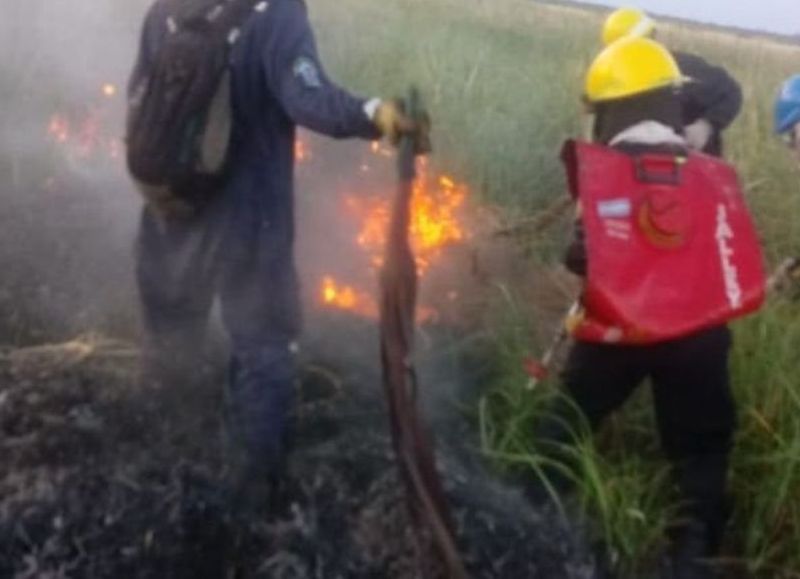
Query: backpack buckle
column 659, row 169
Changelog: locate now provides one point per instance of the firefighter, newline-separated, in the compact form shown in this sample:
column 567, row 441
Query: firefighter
column 239, row 247
column 632, row 88
column 710, row 102
column 787, row 113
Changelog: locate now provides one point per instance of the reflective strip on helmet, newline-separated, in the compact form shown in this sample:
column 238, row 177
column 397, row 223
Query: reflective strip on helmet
column 643, row 28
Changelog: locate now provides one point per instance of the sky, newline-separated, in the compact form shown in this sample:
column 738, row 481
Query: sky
column 781, row 16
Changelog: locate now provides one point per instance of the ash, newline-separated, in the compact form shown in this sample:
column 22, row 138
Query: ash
column 103, row 477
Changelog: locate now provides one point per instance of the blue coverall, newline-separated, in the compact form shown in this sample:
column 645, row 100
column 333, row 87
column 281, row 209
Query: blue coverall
column 240, row 248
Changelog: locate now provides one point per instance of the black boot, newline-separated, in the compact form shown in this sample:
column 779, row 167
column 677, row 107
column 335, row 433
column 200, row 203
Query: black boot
column 257, row 495
column 689, row 556
column 257, row 481
column 697, row 541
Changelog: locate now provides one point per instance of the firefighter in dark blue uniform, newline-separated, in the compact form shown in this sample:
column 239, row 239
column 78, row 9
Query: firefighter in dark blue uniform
column 709, row 103
column 240, row 246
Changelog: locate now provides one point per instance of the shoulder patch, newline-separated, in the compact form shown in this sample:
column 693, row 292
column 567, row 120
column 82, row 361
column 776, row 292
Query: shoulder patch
column 306, row 70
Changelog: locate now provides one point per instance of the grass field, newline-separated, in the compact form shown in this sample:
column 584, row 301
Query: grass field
column 502, row 80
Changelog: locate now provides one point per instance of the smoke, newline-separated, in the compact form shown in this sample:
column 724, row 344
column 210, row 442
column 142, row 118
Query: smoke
column 69, row 218
column 68, row 221
column 57, row 53
column 68, row 212
column 68, row 225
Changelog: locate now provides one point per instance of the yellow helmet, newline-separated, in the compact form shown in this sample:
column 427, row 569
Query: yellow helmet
column 627, row 22
column 629, row 67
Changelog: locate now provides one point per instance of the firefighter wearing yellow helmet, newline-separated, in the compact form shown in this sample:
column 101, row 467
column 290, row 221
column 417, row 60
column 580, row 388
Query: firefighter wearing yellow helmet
column 629, row 67
column 711, row 102
column 627, row 22
column 642, row 204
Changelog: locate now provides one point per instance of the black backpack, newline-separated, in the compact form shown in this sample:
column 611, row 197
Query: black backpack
column 179, row 115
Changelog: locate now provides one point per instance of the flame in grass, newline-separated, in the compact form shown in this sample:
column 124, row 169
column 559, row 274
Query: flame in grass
column 85, row 136
column 435, row 221
column 345, row 297
column 435, row 206
column 59, row 129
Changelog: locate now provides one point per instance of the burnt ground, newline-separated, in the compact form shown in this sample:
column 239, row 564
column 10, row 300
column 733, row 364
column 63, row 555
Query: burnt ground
column 104, row 477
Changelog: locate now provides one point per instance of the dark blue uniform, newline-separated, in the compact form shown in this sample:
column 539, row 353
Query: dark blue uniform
column 713, row 95
column 240, row 247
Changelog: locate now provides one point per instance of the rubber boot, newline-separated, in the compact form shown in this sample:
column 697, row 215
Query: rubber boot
column 690, row 553
column 697, row 540
column 256, row 492
column 257, row 479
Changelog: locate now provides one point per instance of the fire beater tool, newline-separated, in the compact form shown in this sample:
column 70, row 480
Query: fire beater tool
column 412, row 441
column 539, row 370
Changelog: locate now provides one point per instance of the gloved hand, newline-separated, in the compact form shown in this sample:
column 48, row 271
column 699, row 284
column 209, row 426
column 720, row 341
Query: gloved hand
column 698, row 134
column 393, row 123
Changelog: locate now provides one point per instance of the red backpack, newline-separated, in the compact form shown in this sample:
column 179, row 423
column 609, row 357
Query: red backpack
column 670, row 244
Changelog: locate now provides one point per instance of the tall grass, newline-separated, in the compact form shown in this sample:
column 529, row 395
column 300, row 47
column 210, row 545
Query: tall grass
column 502, row 80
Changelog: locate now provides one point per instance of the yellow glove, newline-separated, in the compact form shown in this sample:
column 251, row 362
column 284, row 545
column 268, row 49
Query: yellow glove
column 392, row 122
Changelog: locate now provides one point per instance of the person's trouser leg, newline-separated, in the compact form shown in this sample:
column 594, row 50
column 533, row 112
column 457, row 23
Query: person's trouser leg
column 696, row 416
column 597, row 379
column 175, row 272
column 260, row 399
column 261, row 310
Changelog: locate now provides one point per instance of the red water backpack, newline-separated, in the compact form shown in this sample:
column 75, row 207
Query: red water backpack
column 670, row 244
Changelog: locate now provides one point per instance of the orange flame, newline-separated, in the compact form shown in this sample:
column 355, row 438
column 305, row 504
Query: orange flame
column 87, row 135
column 347, row 298
column 83, row 138
column 435, row 220
column 58, row 128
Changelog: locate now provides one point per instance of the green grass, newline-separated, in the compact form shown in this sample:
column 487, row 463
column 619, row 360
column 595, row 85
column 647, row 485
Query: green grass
column 502, row 80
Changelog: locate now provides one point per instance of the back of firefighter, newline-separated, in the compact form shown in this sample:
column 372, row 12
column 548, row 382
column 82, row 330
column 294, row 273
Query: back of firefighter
column 239, row 247
column 637, row 110
column 787, row 114
column 712, row 99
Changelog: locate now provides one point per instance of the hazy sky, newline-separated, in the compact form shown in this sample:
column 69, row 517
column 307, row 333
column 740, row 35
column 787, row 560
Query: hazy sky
column 781, row 16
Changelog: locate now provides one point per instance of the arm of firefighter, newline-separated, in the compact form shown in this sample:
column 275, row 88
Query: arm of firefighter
column 300, row 84
column 153, row 28
column 713, row 94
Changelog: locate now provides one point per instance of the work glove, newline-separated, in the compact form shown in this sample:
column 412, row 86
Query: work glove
column 393, row 123
column 698, row 134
